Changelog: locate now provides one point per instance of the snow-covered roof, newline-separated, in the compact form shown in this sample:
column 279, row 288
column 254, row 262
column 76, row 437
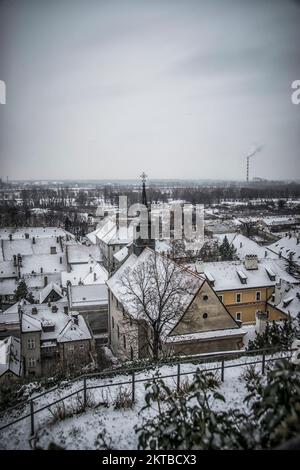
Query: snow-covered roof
column 37, row 232
column 77, row 253
column 206, row 335
column 74, row 332
column 8, row 286
column 89, row 273
column 88, row 295
column 7, row 269
column 245, row 246
column 286, row 246
column 121, row 254
column 287, row 299
column 60, row 321
column 49, row 288
column 133, row 263
column 280, row 220
column 10, row 356
column 49, row 263
column 112, row 234
column 225, row 274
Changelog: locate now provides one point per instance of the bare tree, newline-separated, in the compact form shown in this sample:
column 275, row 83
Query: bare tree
column 156, row 292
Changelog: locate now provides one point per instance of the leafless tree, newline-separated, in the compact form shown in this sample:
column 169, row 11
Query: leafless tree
column 156, row 293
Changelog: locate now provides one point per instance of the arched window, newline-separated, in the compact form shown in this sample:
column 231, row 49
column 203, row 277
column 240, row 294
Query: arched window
column 124, row 341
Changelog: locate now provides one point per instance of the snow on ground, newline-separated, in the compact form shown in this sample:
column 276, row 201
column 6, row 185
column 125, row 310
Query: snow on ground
column 81, row 431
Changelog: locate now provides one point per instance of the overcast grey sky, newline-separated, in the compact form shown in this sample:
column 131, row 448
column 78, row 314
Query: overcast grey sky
column 181, row 89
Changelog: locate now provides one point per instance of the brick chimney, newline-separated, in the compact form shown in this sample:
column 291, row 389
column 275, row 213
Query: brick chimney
column 251, row 262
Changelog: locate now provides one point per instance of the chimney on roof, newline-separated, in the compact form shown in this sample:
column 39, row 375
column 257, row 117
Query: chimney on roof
column 54, row 309
column 10, row 237
column 45, row 281
column 251, row 262
column 66, row 309
column 91, row 269
column 241, row 244
column 34, row 311
column 60, row 259
column 33, row 240
column 15, row 260
column 95, row 276
column 260, row 322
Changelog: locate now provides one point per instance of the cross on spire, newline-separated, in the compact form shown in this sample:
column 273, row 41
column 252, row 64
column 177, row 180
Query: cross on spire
column 143, row 177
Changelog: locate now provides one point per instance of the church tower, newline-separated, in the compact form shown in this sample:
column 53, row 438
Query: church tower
column 140, row 243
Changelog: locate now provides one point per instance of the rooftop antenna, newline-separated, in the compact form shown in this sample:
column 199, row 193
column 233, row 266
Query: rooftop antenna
column 251, row 154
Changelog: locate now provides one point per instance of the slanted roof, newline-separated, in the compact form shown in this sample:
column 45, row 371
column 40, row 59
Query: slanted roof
column 88, row 295
column 74, row 332
column 59, row 320
column 226, row 274
column 287, row 299
column 52, row 286
column 133, row 262
column 10, row 356
column 78, row 253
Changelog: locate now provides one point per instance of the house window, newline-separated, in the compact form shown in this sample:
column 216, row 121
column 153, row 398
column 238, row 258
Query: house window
column 258, row 296
column 238, row 298
column 81, row 347
column 221, row 297
column 53, row 250
column 31, row 362
column 71, row 348
column 205, row 297
column 113, row 322
column 118, row 330
column 117, row 303
column 205, row 315
column 31, row 343
column 131, row 353
column 124, row 341
column 238, row 316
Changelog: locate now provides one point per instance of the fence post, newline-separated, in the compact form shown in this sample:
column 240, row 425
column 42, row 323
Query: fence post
column 222, row 370
column 133, row 387
column 84, row 393
column 178, row 377
column 31, row 418
column 263, row 365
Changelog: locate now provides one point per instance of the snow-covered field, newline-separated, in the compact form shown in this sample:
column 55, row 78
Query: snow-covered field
column 80, row 431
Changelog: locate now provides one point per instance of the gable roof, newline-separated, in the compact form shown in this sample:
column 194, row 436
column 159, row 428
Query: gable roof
column 52, row 286
column 10, row 356
column 228, row 275
column 133, row 262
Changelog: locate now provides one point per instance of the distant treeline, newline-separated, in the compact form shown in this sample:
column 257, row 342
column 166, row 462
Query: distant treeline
column 38, row 205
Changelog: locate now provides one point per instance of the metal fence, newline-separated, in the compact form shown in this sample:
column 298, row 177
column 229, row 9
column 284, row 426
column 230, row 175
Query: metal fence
column 84, row 387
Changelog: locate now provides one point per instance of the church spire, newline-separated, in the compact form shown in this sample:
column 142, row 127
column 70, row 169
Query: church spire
column 144, row 195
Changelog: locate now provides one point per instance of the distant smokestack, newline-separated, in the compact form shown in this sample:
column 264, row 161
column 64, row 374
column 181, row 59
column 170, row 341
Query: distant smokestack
column 251, row 154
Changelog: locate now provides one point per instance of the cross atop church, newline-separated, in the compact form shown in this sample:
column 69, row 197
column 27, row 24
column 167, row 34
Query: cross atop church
column 144, row 195
column 143, row 177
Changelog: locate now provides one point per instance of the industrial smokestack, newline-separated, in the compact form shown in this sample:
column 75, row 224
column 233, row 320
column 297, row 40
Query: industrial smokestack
column 251, row 153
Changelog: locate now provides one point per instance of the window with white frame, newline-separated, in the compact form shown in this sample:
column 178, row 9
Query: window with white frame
column 31, row 343
column 238, row 297
column 258, row 295
column 31, row 362
column 238, row 316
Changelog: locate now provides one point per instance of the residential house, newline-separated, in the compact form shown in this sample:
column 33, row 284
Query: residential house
column 245, row 287
column 203, row 325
